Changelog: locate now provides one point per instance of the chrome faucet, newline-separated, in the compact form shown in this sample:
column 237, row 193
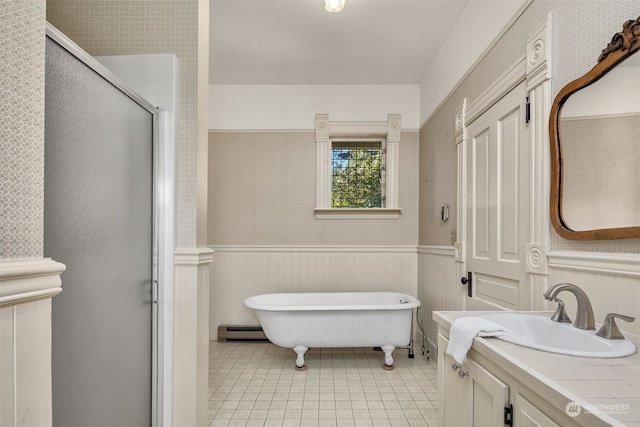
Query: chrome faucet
column 584, row 315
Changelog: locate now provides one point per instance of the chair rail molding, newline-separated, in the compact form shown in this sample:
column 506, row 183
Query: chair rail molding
column 322, row 248
column 29, row 280
column 615, row 264
column 437, row 250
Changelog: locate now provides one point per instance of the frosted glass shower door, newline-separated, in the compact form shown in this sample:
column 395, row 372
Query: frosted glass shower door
column 99, row 221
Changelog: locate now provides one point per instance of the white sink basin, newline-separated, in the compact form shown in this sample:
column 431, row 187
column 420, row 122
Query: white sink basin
column 540, row 332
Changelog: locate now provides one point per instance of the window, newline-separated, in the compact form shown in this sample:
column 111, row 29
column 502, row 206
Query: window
column 357, row 164
column 357, row 173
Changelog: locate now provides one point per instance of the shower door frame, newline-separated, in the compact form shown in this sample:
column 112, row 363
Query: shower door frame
column 158, row 257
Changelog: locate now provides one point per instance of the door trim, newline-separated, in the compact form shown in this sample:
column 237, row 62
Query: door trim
column 534, row 67
column 508, row 81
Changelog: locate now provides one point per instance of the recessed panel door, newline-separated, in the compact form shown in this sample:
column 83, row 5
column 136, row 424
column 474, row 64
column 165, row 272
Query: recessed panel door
column 497, row 204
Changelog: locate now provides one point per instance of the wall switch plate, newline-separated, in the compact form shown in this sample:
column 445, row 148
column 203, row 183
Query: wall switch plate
column 453, row 237
column 444, row 213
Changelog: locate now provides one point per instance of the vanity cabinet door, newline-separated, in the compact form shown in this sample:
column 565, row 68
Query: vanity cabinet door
column 469, row 395
column 527, row 415
column 453, row 390
column 489, row 396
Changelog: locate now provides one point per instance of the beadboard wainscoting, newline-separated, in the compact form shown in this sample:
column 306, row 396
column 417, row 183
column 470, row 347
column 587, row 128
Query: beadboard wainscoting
column 26, row 289
column 438, row 289
column 611, row 280
column 238, row 272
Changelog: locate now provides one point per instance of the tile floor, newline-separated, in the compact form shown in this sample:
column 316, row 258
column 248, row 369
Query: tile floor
column 255, row 384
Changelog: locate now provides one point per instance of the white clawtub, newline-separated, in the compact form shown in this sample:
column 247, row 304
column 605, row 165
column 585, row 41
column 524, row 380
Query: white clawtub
column 336, row 319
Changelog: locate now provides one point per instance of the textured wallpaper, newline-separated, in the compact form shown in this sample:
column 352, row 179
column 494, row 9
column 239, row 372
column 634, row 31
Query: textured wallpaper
column 262, row 191
column 438, row 178
column 116, row 27
column 582, row 28
column 22, row 37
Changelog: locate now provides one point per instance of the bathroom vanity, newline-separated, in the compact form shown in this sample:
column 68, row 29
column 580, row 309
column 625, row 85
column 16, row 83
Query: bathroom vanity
column 506, row 384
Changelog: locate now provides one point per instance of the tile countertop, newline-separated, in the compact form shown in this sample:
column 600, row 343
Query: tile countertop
column 593, row 383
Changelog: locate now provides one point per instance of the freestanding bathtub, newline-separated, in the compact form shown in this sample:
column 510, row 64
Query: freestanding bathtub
column 336, row 319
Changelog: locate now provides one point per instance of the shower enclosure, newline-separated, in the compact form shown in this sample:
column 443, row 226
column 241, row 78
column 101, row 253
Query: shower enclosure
column 99, row 220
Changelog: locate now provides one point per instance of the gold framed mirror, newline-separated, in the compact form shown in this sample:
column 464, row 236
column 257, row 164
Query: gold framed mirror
column 594, row 130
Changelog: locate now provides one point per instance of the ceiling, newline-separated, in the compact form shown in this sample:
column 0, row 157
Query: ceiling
column 298, row 42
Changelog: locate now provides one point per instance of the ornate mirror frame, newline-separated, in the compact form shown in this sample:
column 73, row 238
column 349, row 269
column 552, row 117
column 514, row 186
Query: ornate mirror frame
column 622, row 45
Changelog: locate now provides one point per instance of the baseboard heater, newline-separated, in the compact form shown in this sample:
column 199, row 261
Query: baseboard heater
column 241, row 333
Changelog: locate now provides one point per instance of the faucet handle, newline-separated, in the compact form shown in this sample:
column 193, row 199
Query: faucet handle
column 561, row 314
column 609, row 328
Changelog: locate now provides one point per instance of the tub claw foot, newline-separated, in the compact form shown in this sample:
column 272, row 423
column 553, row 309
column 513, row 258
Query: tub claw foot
column 300, row 351
column 388, row 359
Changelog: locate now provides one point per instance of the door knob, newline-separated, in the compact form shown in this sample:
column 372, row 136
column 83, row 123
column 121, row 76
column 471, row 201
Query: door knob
column 467, row 279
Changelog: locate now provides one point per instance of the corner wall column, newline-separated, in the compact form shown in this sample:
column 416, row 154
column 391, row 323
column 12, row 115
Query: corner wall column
column 191, row 336
column 538, row 66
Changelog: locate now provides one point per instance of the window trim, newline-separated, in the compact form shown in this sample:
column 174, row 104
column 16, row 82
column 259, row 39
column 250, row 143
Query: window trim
column 358, row 213
column 391, row 131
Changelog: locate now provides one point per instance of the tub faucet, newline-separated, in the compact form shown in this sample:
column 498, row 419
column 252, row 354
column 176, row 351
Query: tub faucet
column 584, row 315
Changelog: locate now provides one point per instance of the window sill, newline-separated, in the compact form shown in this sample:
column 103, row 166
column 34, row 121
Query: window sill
column 358, row 213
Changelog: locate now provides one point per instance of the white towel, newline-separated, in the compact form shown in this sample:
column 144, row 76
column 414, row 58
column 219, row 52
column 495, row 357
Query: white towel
column 464, row 329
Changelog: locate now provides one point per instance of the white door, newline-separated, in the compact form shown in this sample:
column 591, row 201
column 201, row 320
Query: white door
column 497, row 204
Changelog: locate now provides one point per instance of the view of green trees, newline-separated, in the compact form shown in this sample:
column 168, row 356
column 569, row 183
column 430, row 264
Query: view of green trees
column 356, row 175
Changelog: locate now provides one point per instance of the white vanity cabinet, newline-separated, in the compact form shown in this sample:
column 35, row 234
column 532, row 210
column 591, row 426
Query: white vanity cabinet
column 452, row 398
column 482, row 389
column 469, row 394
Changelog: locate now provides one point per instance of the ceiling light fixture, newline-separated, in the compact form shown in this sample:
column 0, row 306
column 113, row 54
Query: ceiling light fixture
column 334, row 5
